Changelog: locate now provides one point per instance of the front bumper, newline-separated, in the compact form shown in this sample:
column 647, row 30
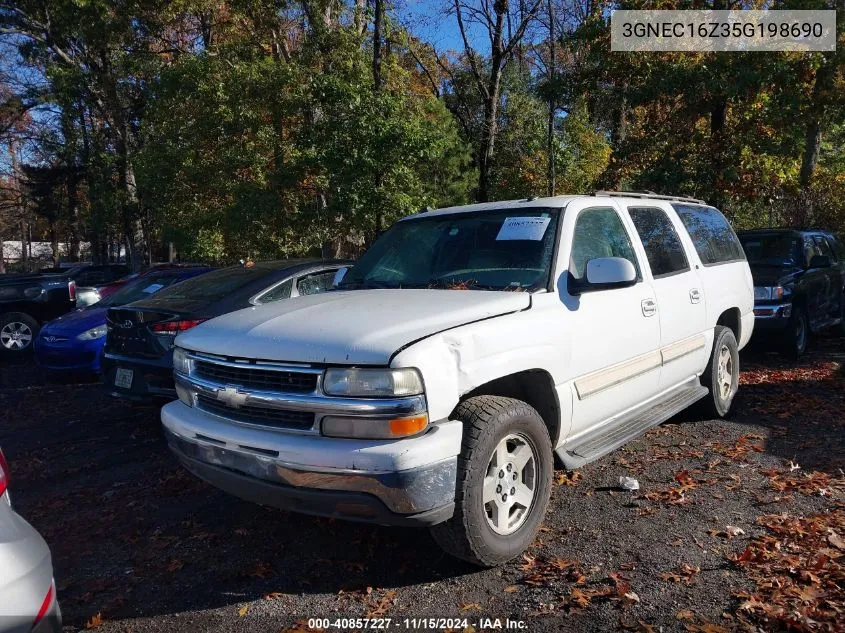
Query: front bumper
column 772, row 316
column 68, row 355
column 388, row 482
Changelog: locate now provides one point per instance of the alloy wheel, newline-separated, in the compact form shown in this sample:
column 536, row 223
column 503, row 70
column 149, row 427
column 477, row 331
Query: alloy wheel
column 725, row 374
column 510, row 483
column 15, row 336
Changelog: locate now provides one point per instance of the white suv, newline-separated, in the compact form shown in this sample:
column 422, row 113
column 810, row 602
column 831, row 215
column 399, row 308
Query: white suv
column 463, row 350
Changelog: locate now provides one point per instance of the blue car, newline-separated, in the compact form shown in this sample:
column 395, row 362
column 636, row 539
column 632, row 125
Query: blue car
column 74, row 342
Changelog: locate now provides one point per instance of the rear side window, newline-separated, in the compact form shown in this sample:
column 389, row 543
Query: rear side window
column 660, row 240
column 714, row 239
column 315, row 283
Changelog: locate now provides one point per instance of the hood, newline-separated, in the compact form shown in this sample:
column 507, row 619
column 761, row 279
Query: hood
column 346, row 327
column 78, row 321
column 774, row 275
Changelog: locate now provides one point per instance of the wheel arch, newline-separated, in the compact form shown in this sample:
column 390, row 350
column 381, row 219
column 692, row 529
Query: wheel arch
column 536, row 387
column 731, row 319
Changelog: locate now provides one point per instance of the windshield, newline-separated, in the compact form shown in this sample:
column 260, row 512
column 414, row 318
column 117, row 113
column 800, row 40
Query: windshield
column 772, row 250
column 139, row 289
column 491, row 250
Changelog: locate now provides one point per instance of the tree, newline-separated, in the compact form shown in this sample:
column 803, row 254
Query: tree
column 496, row 19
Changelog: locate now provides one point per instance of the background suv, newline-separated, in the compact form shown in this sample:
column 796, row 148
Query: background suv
column 799, row 276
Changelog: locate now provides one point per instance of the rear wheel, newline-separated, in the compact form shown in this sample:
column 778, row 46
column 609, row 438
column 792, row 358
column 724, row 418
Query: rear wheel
column 797, row 334
column 504, row 481
column 722, row 374
column 17, row 332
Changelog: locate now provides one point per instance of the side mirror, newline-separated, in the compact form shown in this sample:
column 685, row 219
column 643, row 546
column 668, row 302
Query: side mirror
column 820, row 261
column 339, row 275
column 605, row 273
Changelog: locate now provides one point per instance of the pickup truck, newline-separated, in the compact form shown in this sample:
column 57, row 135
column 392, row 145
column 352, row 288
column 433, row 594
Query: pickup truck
column 466, row 348
column 28, row 301
column 799, row 277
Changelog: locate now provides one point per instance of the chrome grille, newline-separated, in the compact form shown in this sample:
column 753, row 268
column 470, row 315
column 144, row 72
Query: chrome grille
column 251, row 414
column 256, row 378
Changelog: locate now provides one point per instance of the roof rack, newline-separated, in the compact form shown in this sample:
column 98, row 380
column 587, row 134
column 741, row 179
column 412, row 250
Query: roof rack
column 646, row 194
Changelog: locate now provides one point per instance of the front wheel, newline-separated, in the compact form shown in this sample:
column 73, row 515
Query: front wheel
column 722, row 374
column 504, row 481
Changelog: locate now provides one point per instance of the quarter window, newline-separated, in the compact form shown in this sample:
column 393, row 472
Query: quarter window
column 712, row 235
column 662, row 245
column 276, row 293
column 599, row 232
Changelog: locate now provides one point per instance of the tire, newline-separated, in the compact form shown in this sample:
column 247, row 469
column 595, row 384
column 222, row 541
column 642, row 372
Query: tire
column 797, row 334
column 722, row 374
column 490, row 423
column 17, row 333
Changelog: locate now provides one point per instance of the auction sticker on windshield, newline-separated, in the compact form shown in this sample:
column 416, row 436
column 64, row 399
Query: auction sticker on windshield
column 523, row 229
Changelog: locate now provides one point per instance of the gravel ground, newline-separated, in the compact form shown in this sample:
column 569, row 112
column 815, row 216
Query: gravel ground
column 140, row 545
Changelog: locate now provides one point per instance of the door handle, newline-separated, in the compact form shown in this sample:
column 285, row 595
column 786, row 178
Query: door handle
column 649, row 307
column 695, row 295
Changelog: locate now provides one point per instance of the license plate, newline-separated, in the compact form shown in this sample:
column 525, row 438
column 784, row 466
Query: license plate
column 123, row 378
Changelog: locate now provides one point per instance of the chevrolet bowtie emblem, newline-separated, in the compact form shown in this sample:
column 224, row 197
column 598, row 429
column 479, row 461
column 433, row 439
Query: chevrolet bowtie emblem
column 231, row 397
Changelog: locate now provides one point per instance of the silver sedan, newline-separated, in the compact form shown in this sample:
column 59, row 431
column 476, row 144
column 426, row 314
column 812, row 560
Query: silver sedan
column 28, row 601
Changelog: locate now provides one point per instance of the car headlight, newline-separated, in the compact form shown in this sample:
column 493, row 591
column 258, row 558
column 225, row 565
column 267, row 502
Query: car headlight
column 770, row 293
column 94, row 333
column 181, row 361
column 372, row 383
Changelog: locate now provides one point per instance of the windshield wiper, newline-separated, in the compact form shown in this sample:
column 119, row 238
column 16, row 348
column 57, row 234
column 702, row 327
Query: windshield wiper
column 462, row 284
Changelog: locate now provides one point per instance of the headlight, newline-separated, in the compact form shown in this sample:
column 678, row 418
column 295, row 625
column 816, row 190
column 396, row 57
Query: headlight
column 372, row 383
column 769, row 293
column 94, row 333
column 181, row 361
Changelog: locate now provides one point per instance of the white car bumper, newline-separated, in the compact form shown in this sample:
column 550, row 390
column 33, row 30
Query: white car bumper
column 392, row 482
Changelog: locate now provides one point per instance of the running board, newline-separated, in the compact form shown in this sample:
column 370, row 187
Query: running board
column 616, row 432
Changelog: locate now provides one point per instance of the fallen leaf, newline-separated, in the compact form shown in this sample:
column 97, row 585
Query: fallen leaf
column 274, row 595
column 472, row 606
column 511, row 589
column 242, row 611
column 95, row 621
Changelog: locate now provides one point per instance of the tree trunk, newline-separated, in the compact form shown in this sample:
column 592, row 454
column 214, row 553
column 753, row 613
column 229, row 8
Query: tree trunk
column 54, row 243
column 550, row 140
column 360, row 19
column 813, row 140
column 132, row 229
column 377, row 42
column 2, row 257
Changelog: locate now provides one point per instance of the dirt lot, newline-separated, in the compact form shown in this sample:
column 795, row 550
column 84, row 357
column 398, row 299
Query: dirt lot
column 737, row 525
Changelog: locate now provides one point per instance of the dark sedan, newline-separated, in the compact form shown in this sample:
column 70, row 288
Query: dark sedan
column 799, row 276
column 138, row 361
